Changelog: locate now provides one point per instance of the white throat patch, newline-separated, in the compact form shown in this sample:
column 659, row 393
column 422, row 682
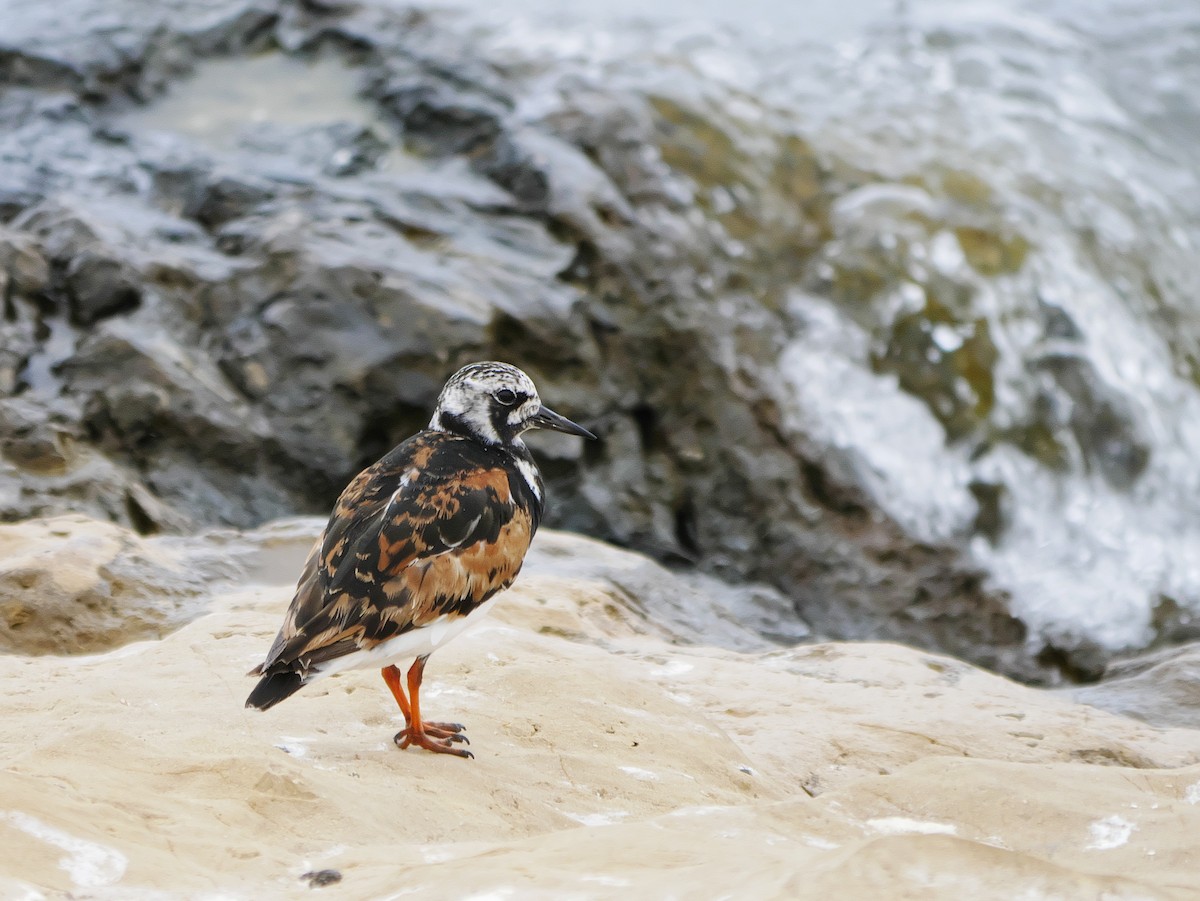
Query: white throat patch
column 530, row 474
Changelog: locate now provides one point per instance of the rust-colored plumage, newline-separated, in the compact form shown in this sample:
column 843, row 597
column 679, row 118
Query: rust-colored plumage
column 416, row 543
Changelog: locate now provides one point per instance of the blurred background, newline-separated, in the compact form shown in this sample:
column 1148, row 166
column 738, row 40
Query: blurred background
column 886, row 312
column 799, row 20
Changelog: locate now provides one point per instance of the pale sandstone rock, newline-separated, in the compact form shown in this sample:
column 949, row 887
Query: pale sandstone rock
column 71, row 584
column 616, row 756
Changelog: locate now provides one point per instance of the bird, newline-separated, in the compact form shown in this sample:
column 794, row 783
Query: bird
column 417, row 544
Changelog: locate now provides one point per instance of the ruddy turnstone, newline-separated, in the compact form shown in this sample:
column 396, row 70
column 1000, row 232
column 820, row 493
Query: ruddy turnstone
column 416, row 544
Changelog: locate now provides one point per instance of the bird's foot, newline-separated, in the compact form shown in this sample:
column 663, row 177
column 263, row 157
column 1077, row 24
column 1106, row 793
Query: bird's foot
column 436, row 737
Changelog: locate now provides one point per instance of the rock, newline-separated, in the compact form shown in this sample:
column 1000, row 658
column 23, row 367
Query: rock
column 71, row 585
column 100, row 285
column 336, row 150
column 1161, row 688
column 178, row 252
column 24, row 275
column 47, row 466
column 22, row 266
column 685, row 608
column 616, row 753
column 242, row 246
column 37, row 437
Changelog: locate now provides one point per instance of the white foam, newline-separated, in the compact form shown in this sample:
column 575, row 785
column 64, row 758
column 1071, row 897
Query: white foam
column 698, row 811
column 879, row 436
column 639, row 773
column 296, row 747
column 331, row 852
column 824, row 844
column 611, row 881
column 1110, row 832
column 673, row 668
column 905, row 826
column 1192, row 794
column 89, row 864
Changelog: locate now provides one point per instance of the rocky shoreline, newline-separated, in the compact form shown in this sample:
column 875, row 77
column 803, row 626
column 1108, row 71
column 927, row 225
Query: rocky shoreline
column 241, row 244
column 888, row 416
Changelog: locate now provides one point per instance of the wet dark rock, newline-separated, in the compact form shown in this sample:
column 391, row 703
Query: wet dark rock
column 225, row 197
column 336, row 150
column 17, row 342
column 34, row 439
column 1174, row 624
column 1103, row 424
column 437, row 119
column 98, row 285
column 23, row 268
column 995, row 513
column 1079, row 659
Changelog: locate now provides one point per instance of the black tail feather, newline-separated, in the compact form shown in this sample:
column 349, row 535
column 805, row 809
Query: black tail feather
column 272, row 689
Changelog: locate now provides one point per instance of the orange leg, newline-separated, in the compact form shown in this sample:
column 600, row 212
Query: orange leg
column 391, row 676
column 437, row 737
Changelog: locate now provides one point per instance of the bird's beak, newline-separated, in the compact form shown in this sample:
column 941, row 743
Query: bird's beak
column 545, row 418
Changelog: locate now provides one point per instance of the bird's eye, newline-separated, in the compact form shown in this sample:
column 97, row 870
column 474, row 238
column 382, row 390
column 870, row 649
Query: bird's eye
column 506, row 396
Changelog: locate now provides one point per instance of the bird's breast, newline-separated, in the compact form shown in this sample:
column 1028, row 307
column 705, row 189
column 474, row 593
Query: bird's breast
column 457, row 582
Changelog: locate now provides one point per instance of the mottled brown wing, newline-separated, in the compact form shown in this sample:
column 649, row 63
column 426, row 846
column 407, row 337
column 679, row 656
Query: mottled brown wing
column 430, row 530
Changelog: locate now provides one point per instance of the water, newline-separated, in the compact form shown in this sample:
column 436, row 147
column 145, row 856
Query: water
column 237, row 104
column 226, row 96
column 997, row 324
column 813, row 20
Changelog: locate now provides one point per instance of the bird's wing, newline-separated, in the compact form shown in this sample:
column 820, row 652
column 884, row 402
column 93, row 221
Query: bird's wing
column 409, row 540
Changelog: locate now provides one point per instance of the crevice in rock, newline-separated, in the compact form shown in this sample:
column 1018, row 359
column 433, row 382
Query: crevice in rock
column 648, row 429
column 142, row 522
column 687, row 531
column 828, row 493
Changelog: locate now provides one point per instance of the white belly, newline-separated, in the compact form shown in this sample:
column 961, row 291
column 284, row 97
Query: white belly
column 414, row 643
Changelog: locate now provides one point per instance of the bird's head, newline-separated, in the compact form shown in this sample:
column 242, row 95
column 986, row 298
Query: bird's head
column 495, row 403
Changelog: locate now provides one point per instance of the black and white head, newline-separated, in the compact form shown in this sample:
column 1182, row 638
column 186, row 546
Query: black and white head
column 495, row 403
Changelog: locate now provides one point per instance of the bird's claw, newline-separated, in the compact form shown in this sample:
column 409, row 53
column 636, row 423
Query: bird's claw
column 434, row 737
